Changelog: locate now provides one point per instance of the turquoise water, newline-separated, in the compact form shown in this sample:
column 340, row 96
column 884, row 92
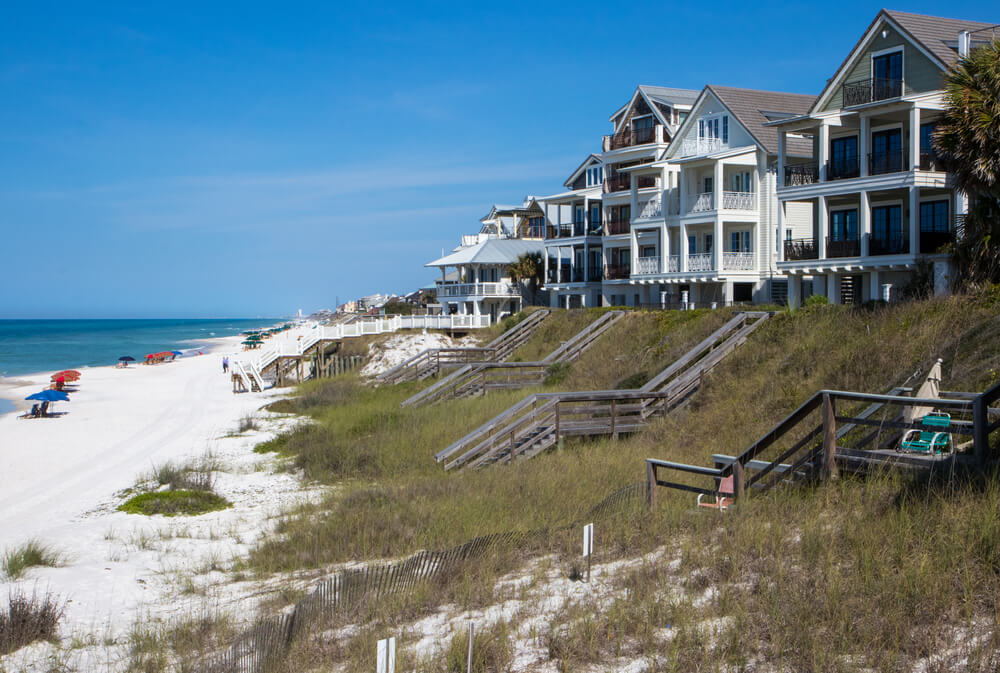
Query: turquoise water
column 30, row 346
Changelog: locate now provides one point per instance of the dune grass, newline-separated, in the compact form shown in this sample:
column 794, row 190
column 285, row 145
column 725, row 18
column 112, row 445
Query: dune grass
column 26, row 619
column 32, row 554
column 173, row 503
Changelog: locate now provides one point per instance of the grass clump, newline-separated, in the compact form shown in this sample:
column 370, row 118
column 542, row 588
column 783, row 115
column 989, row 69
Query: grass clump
column 27, row 619
column 247, row 423
column 32, row 553
column 492, row 650
column 172, row 503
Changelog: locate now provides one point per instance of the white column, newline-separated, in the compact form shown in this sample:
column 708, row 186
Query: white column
column 864, row 138
column 680, row 191
column 824, row 149
column 794, row 291
column 823, row 227
column 833, row 288
column 781, row 232
column 914, row 138
column 864, row 222
column 664, row 247
column 781, row 158
column 545, row 264
column 717, row 179
column 914, row 220
column 633, row 196
column 586, row 261
column 717, row 232
column 874, row 286
column 682, row 249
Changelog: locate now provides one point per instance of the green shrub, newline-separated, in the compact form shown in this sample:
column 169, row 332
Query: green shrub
column 32, row 553
column 556, row 373
column 171, row 503
column 817, row 300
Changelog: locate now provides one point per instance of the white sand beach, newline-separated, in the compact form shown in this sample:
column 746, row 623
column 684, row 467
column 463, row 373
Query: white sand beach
column 61, row 481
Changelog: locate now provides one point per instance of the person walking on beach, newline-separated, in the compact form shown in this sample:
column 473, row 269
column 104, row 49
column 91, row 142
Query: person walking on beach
column 225, row 364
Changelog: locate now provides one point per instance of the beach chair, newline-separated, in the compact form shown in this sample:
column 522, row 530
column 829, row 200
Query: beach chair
column 723, row 497
column 929, row 441
column 34, row 413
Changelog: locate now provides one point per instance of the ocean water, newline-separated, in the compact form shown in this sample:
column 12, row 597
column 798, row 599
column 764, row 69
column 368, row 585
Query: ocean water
column 30, row 346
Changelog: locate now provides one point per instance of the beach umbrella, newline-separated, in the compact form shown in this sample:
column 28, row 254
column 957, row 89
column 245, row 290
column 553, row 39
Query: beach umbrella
column 68, row 373
column 177, row 352
column 126, row 358
column 49, row 396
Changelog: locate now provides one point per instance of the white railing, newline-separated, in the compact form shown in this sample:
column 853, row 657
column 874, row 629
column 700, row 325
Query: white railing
column 698, row 146
column 650, row 208
column 479, row 290
column 702, row 202
column 700, row 262
column 739, row 201
column 738, row 261
column 647, row 265
column 673, row 263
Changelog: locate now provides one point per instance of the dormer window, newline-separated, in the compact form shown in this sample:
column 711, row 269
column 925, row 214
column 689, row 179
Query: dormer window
column 595, row 176
column 714, row 128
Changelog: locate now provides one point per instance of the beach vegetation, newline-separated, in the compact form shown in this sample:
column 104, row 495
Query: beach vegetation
column 172, row 503
column 26, row 619
column 246, row 423
column 32, row 554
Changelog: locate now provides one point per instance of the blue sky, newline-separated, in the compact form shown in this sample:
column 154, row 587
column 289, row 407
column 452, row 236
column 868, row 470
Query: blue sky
column 240, row 160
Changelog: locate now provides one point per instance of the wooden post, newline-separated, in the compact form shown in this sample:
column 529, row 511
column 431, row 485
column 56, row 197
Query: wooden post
column 650, row 485
column 557, row 420
column 613, row 415
column 980, row 436
column 511, row 446
column 829, row 464
column 739, row 481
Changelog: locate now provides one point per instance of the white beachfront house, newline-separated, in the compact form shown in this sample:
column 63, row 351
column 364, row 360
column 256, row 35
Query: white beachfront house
column 882, row 203
column 715, row 242
column 574, row 230
column 642, row 130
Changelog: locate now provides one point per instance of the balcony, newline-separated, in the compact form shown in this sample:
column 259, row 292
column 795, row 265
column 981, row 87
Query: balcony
column 646, row 266
column 594, row 275
column 871, row 90
column 738, row 261
column 850, row 247
column 617, row 271
column 633, row 137
column 800, row 248
column 700, row 262
column 842, row 169
column 650, row 208
column 702, row 202
column 646, row 181
column 616, row 227
column 739, row 201
column 700, row 146
column 501, row 289
column 890, row 245
column 929, row 161
column 881, row 163
column 617, row 183
column 802, row 174
column 673, row 264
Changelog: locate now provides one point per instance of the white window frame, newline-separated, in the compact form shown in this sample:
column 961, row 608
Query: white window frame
column 872, row 55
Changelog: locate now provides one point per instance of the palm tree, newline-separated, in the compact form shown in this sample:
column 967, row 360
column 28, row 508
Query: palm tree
column 528, row 269
column 968, row 142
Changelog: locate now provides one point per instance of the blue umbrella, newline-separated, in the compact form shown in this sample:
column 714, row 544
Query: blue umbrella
column 49, row 395
column 177, row 352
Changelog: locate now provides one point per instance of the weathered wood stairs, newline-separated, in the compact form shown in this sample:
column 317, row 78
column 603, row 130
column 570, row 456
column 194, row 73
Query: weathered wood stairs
column 478, row 377
column 432, row 361
column 541, row 420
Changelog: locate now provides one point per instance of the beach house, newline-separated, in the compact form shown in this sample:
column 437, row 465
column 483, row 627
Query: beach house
column 883, row 207
column 707, row 235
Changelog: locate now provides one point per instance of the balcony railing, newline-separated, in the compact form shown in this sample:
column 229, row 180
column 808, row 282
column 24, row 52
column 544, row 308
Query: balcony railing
column 929, row 161
column 699, row 146
column 650, row 208
column 739, row 201
column 617, row 271
column 842, row 169
column 871, row 90
column 850, row 247
column 888, row 162
column 702, row 202
column 616, row 227
column 673, row 264
column 801, row 174
column 633, row 137
column 738, row 261
column 645, row 266
column 700, row 262
column 502, row 289
column 890, row 245
column 645, row 181
column 931, row 241
column 801, row 248
column 617, row 183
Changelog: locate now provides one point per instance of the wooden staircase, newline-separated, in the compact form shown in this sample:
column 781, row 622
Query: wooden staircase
column 538, row 422
column 478, row 377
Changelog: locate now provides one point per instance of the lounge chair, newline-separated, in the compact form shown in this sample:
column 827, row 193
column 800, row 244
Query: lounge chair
column 723, row 497
column 929, row 441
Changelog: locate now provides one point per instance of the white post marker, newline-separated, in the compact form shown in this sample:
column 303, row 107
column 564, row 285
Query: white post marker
column 386, row 656
column 588, row 545
column 472, row 631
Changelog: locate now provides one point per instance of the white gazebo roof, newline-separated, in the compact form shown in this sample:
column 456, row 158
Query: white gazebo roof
column 490, row 251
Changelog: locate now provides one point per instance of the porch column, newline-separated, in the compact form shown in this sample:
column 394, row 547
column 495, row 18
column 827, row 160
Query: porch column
column 864, row 138
column 794, row 291
column 833, row 288
column 680, row 191
column 545, row 266
column 633, row 198
column 633, row 239
column 586, row 261
column 586, row 216
column 664, row 247
column 822, row 229
column 780, row 245
column 718, row 186
column 874, row 286
column 914, row 220
column 914, row 138
column 717, row 233
column 781, row 157
column 682, row 249
column 824, row 149
column 864, row 221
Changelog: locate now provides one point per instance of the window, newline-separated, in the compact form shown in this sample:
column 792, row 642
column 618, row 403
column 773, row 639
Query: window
column 701, row 128
column 595, row 214
column 536, row 227
column 742, row 182
column 692, row 245
column 844, row 157
column 739, row 241
column 926, row 137
column 681, row 116
column 725, row 128
column 578, row 215
column 647, row 251
column 888, row 67
column 934, row 217
column 887, row 225
column 844, row 225
column 708, row 185
column 708, row 243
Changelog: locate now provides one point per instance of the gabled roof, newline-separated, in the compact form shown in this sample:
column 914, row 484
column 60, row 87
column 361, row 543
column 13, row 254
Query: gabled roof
column 657, row 94
column 490, row 251
column 751, row 108
column 579, row 169
column 937, row 37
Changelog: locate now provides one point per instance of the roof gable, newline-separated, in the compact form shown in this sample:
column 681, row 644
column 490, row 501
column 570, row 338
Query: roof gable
column 590, row 161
